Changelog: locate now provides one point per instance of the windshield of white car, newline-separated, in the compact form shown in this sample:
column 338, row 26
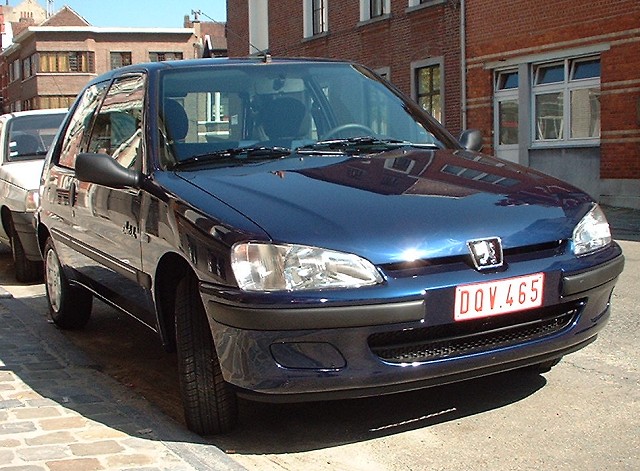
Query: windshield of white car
column 29, row 136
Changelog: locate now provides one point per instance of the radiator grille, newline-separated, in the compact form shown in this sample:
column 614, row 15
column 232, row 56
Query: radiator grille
column 433, row 343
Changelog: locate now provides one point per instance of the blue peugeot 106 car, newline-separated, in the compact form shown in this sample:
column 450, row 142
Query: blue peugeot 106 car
column 299, row 230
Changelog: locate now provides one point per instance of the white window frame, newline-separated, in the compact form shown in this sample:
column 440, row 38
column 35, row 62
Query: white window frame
column 428, row 3
column 501, row 95
column 258, row 26
column 365, row 10
column 565, row 88
column 307, row 14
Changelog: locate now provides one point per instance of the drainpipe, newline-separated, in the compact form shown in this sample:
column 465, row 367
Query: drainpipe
column 463, row 63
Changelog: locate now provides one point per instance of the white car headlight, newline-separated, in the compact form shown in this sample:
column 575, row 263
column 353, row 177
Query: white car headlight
column 259, row 266
column 591, row 233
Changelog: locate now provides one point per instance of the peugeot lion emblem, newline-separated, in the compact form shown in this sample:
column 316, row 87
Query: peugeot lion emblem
column 486, row 253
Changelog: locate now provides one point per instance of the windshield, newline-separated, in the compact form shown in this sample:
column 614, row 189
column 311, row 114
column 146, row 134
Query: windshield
column 31, row 136
column 305, row 107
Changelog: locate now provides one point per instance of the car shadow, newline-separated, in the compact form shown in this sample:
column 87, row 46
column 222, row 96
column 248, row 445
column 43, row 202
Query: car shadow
column 310, row 426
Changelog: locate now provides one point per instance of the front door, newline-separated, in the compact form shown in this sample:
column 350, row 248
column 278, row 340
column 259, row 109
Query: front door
column 107, row 219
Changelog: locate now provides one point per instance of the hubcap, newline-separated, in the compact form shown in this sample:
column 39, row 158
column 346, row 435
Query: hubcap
column 53, row 279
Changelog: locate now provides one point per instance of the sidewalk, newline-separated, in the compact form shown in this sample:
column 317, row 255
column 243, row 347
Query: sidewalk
column 624, row 222
column 57, row 412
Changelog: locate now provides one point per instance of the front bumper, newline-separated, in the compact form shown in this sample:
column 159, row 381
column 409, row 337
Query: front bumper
column 24, row 225
column 286, row 353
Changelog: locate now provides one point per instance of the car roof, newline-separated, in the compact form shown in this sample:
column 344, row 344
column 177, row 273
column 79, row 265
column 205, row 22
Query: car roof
column 217, row 61
column 16, row 114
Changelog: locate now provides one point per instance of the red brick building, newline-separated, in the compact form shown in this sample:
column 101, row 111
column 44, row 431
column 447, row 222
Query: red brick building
column 553, row 85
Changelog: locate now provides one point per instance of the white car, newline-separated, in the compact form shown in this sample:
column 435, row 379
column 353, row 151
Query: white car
column 25, row 137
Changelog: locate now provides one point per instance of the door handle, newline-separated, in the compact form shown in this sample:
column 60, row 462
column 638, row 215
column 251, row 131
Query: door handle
column 72, row 194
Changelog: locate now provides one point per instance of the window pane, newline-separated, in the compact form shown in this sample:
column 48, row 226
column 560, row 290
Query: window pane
column 549, row 122
column 550, row 74
column 79, row 123
column 586, row 69
column 428, row 86
column 585, row 113
column 507, row 80
column 508, row 122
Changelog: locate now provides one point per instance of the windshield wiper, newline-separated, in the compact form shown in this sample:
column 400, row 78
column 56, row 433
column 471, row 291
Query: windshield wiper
column 357, row 145
column 243, row 154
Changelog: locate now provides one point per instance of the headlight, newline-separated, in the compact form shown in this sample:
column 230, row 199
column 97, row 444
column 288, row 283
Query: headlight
column 591, row 233
column 259, row 266
column 32, row 200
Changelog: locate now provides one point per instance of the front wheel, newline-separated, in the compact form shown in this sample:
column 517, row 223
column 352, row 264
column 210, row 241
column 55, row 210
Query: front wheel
column 210, row 404
column 69, row 306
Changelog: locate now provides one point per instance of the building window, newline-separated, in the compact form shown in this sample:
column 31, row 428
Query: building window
column 566, row 105
column 315, row 14
column 428, row 89
column 14, row 71
column 319, row 16
column 376, row 8
column 164, row 56
column 506, row 105
column 55, row 101
column 371, row 9
column 67, row 62
column 30, row 66
column 119, row 59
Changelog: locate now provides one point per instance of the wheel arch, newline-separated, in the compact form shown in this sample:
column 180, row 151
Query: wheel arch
column 171, row 268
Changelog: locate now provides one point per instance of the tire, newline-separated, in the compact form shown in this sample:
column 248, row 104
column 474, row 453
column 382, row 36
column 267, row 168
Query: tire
column 210, row 404
column 26, row 270
column 69, row 306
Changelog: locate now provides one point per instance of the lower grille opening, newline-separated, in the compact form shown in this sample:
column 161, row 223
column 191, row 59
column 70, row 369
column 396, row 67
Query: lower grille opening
column 465, row 338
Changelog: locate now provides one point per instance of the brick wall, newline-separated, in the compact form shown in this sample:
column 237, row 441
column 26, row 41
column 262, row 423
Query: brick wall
column 404, row 37
column 528, row 28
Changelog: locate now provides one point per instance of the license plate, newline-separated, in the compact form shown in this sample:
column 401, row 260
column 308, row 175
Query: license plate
column 493, row 298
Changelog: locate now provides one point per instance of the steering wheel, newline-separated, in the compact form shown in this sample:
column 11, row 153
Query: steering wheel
column 348, row 127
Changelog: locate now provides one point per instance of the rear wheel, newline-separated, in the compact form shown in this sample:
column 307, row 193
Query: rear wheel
column 69, row 306
column 210, row 404
column 26, row 270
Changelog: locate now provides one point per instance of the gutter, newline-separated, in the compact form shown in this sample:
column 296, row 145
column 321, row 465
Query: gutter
column 463, row 63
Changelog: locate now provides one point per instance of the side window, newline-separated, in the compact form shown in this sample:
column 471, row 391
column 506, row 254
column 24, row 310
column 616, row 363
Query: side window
column 117, row 130
column 79, row 123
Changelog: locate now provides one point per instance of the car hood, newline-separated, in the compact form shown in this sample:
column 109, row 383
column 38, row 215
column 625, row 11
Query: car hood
column 397, row 205
column 24, row 174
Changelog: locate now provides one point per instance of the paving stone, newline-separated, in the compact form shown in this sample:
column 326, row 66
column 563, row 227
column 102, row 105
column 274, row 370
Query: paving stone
column 51, row 438
column 16, row 427
column 24, row 468
column 95, row 448
column 36, row 412
column 80, row 464
column 9, row 443
column 11, row 404
column 63, row 423
column 133, row 460
column 41, row 453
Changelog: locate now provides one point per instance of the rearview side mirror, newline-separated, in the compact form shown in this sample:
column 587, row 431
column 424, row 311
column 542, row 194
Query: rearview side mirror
column 105, row 171
column 471, row 139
